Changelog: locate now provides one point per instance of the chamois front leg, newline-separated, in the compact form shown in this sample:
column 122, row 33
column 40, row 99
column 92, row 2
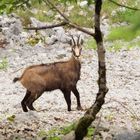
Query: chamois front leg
column 77, row 95
column 67, row 98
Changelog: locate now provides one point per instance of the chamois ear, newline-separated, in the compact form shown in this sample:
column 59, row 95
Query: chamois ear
column 82, row 41
column 70, row 42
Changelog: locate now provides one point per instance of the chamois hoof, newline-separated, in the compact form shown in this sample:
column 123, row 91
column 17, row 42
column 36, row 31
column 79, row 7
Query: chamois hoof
column 25, row 110
column 69, row 109
column 32, row 108
column 79, row 108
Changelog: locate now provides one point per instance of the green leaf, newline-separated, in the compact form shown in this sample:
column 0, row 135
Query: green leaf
column 11, row 118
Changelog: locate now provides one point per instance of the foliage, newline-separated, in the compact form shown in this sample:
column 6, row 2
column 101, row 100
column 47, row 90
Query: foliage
column 11, row 118
column 67, row 129
column 122, row 16
column 126, row 33
column 119, row 14
column 4, row 64
column 79, row 18
column 91, row 44
column 42, row 133
column 134, row 20
column 8, row 5
column 24, row 15
column 45, row 14
column 90, row 132
column 33, row 40
column 117, row 45
column 57, row 133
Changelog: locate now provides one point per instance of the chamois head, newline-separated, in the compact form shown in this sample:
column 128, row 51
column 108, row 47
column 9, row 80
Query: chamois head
column 76, row 46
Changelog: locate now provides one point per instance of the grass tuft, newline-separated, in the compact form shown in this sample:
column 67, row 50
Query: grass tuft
column 57, row 133
column 3, row 64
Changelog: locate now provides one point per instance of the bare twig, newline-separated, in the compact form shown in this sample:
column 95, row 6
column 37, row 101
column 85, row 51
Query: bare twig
column 17, row 70
column 129, row 110
column 128, row 7
column 47, row 26
column 81, row 29
column 49, row 3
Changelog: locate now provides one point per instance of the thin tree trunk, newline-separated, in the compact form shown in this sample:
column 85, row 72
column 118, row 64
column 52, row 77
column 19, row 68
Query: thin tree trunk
column 90, row 115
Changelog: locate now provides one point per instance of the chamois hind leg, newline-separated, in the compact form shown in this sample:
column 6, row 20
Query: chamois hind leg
column 76, row 93
column 31, row 100
column 23, row 102
column 67, row 98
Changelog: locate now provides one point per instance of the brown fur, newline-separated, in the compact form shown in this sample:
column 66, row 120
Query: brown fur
column 47, row 77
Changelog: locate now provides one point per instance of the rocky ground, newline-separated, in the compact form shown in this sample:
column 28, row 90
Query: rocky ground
column 120, row 114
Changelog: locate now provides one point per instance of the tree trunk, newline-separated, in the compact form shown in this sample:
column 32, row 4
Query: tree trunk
column 90, row 115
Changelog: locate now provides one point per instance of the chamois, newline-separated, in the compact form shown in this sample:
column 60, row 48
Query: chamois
column 47, row 77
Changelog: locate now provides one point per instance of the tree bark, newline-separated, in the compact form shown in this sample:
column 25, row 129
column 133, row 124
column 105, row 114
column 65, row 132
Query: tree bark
column 90, row 115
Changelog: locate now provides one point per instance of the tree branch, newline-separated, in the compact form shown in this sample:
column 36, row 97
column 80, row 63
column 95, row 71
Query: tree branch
column 81, row 29
column 49, row 3
column 47, row 26
column 65, row 22
column 128, row 7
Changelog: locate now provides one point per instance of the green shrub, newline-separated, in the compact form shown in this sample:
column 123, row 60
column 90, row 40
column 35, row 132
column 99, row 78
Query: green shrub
column 123, row 16
column 57, row 133
column 123, row 33
column 85, row 20
column 91, row 44
column 24, row 15
column 90, row 131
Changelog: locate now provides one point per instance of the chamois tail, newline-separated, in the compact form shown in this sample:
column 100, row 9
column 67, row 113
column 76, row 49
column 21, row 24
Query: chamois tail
column 16, row 79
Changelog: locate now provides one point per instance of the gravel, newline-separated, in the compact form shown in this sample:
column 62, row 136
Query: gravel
column 120, row 112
